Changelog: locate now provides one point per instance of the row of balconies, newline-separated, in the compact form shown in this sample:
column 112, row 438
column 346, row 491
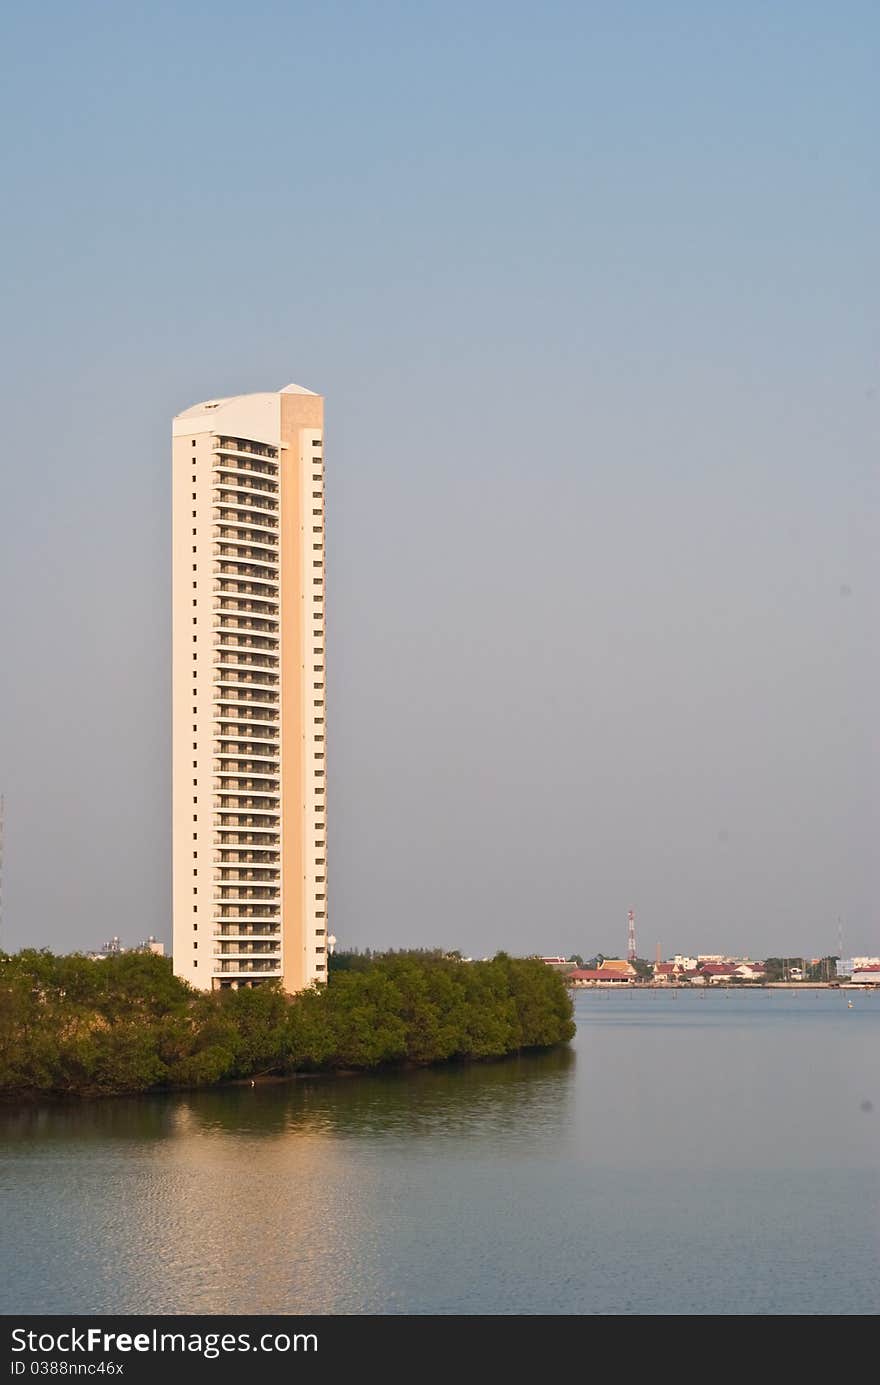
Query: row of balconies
column 230, row 626
column 232, row 567
column 242, row 715
column 242, row 494
column 248, row 950
column 250, row 588
column 236, row 912
column 259, row 608
column 235, row 749
column 262, row 839
column 231, row 685
column 241, row 858
column 257, row 638
column 246, row 552
column 242, row 535
column 238, row 783
column 251, row 966
column 228, row 700
column 248, row 930
column 244, row 498
column 260, row 803
column 246, row 669
column 243, row 766
column 226, row 470
column 246, row 876
column 243, row 894
column 252, row 453
column 228, row 513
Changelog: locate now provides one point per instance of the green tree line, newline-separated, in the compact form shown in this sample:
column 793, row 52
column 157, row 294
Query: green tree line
column 73, row 1026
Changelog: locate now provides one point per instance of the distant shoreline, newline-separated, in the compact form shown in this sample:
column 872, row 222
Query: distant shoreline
column 745, row 987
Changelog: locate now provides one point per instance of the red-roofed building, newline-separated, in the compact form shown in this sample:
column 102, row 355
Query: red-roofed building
column 866, row 976
column 598, row 976
column 666, row 972
column 717, row 972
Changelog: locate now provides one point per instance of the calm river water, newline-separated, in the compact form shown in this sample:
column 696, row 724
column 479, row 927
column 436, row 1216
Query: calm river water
column 690, row 1154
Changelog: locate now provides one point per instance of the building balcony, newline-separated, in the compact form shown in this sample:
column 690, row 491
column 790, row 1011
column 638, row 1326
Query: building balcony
column 239, row 676
column 239, row 536
column 243, row 478
column 250, row 457
column 248, row 782
column 260, row 670
column 248, row 931
column 232, row 621
column 245, row 498
column 248, row 586
column 255, row 913
column 230, row 514
column 245, row 553
column 244, row 968
column 251, row 894
column 227, row 760
column 240, row 858
column 241, row 648
column 260, row 877
column 248, row 741
column 241, row 714
column 261, row 839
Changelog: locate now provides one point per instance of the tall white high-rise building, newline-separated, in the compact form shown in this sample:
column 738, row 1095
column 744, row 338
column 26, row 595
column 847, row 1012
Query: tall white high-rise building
column 249, row 728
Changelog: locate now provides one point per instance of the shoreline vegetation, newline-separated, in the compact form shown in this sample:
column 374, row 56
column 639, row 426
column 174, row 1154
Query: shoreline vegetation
column 74, row 1027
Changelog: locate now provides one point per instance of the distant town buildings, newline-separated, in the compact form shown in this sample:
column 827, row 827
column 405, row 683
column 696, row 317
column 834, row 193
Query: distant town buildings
column 866, row 974
column 714, row 969
column 115, row 947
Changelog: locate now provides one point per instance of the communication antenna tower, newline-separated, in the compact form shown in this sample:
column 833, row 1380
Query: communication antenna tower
column 631, row 936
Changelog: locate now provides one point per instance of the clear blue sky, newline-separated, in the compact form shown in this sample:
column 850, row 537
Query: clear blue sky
column 592, row 293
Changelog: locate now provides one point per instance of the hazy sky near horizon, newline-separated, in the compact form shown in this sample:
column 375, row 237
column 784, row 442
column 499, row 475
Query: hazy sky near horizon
column 591, row 291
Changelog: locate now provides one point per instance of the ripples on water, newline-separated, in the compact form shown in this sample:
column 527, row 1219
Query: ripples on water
column 691, row 1154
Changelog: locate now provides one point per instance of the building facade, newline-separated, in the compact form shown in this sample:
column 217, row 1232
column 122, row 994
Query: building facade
column 249, row 724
